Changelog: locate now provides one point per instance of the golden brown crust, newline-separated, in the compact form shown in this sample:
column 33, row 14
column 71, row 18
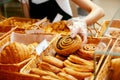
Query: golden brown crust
column 54, row 61
column 81, row 61
column 66, row 45
column 77, row 67
column 87, row 50
column 14, row 53
column 67, row 76
column 60, row 57
column 49, row 78
column 43, row 73
column 115, row 65
column 77, row 74
column 115, row 33
column 49, row 67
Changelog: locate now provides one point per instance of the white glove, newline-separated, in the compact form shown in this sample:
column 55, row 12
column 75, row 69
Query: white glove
column 78, row 26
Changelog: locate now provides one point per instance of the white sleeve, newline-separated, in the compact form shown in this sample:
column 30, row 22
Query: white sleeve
column 39, row 1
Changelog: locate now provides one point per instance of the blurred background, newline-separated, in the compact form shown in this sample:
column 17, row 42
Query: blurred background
column 10, row 8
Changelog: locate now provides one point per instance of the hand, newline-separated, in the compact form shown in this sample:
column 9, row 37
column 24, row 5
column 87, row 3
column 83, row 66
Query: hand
column 78, row 26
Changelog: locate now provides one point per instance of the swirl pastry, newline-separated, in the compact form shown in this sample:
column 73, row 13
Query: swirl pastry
column 67, row 45
column 87, row 51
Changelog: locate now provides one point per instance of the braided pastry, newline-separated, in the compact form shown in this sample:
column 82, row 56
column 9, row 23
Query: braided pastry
column 67, row 45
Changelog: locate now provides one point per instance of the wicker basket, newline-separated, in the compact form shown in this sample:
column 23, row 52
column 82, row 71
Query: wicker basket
column 5, row 75
column 6, row 39
column 11, row 36
column 14, row 67
column 33, row 62
column 18, row 71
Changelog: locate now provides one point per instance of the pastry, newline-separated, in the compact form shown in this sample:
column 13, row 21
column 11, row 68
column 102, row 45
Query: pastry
column 60, row 57
column 43, row 73
column 77, row 74
column 81, row 61
column 49, row 67
column 66, row 45
column 54, row 61
column 87, row 50
column 78, row 67
column 115, row 33
column 14, row 53
column 115, row 65
column 67, row 76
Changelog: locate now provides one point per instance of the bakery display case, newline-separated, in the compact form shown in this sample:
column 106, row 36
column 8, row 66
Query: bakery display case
column 64, row 58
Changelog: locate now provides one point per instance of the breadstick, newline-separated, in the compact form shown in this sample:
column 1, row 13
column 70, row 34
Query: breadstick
column 49, row 67
column 60, row 57
column 78, row 60
column 79, row 75
column 54, row 61
column 43, row 73
column 48, row 78
column 78, row 67
column 67, row 76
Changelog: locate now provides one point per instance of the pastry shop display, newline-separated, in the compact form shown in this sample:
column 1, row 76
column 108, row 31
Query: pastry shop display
column 67, row 58
column 66, row 45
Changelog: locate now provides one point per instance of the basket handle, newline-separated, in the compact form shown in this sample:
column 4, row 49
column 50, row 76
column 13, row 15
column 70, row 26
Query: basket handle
column 94, row 29
column 9, row 32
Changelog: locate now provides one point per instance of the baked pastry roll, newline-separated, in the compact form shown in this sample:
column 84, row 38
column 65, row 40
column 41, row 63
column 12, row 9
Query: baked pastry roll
column 87, row 50
column 14, row 53
column 66, row 45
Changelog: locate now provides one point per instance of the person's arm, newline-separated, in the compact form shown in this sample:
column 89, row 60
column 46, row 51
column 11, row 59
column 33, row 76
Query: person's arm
column 25, row 5
column 95, row 12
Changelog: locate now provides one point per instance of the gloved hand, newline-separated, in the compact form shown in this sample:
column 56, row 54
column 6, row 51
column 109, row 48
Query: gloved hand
column 78, row 26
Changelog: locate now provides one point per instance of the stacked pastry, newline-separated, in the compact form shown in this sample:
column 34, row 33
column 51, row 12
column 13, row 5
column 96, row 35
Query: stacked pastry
column 57, row 27
column 66, row 64
column 72, row 68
